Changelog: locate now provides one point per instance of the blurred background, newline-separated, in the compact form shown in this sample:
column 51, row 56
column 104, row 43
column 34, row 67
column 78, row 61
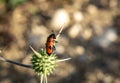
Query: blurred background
column 91, row 37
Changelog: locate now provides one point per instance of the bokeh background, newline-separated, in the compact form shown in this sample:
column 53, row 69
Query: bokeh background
column 91, row 37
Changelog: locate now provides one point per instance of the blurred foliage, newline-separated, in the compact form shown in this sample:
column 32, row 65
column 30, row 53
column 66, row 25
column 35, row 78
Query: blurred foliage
column 14, row 3
column 2, row 1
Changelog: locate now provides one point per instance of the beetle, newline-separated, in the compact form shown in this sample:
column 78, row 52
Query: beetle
column 50, row 43
column 50, row 47
column 51, row 40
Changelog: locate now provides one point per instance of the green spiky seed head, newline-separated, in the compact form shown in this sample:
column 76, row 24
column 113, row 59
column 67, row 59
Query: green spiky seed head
column 43, row 64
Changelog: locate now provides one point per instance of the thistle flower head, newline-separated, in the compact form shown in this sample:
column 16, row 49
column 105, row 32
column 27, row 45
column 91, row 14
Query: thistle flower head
column 44, row 64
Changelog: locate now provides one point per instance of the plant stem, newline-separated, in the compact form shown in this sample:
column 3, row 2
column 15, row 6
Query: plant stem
column 16, row 63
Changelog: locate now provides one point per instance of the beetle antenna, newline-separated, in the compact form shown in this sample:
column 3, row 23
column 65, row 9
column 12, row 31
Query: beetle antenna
column 52, row 31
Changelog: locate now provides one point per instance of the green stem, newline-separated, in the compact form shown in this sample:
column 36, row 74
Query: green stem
column 41, row 78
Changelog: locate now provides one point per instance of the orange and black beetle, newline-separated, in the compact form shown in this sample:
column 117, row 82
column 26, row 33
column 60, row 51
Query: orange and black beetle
column 50, row 47
column 51, row 40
